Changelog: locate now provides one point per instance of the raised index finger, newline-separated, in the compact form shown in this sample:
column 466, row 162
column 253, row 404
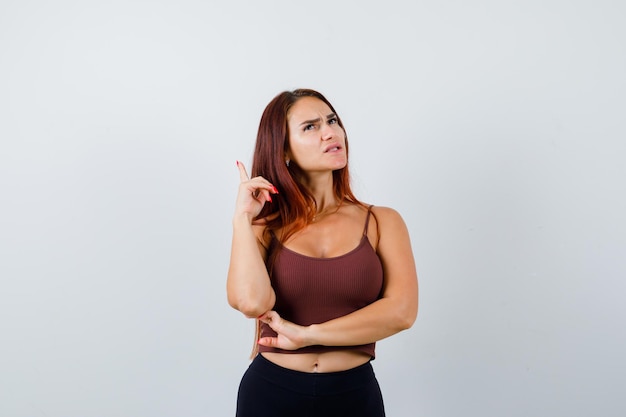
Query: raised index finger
column 243, row 175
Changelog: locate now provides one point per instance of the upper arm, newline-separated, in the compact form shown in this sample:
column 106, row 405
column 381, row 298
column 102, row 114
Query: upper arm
column 249, row 288
column 262, row 240
column 395, row 252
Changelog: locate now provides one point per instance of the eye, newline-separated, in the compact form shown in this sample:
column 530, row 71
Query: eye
column 310, row 126
column 332, row 121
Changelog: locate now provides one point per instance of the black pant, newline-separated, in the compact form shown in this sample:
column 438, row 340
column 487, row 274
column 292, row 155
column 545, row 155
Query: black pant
column 268, row 390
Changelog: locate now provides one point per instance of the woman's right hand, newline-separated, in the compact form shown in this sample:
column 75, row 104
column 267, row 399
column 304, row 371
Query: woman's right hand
column 253, row 194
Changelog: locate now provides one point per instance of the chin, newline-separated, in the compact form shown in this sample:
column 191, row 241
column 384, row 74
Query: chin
column 340, row 166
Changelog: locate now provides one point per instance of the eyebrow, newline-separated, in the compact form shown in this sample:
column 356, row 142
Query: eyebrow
column 313, row 121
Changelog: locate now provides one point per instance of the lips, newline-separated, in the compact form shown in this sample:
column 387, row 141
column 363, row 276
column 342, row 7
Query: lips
column 332, row 148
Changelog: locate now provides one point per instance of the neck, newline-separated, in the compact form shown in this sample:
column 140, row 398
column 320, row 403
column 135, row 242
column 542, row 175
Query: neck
column 321, row 186
column 325, row 210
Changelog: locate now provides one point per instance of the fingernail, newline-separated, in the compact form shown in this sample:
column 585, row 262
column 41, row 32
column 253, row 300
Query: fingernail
column 237, row 163
column 270, row 197
column 275, row 190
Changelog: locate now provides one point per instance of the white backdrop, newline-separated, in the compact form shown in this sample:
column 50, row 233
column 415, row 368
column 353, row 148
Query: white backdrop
column 496, row 128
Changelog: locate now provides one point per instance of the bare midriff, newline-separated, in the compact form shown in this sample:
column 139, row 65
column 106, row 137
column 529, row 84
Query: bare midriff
column 335, row 361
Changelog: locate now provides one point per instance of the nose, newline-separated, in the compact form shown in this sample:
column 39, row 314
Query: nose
column 327, row 131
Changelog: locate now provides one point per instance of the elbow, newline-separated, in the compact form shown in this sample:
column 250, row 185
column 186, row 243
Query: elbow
column 406, row 316
column 407, row 311
column 251, row 311
column 251, row 308
column 405, row 322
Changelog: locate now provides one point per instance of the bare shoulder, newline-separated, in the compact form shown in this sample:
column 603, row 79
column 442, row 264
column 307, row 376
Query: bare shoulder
column 387, row 218
column 394, row 247
column 391, row 228
column 386, row 225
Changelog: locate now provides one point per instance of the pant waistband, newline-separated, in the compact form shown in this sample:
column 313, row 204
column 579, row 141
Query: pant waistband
column 313, row 383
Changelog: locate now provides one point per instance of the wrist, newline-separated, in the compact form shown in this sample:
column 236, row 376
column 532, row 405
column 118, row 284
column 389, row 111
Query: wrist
column 311, row 335
column 242, row 219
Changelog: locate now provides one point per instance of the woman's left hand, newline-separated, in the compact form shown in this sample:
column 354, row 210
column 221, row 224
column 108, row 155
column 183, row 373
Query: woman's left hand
column 290, row 336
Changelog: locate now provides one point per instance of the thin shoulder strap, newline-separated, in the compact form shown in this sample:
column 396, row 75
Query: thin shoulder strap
column 367, row 220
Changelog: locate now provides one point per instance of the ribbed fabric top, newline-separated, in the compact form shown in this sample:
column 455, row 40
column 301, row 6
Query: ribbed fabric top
column 313, row 290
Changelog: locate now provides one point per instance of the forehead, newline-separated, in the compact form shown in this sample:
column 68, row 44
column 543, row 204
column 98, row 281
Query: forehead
column 308, row 108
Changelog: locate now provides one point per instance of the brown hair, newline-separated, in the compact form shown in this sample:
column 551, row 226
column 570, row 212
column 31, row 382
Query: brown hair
column 295, row 206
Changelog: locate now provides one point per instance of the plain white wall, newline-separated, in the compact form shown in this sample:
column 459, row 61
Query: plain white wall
column 495, row 127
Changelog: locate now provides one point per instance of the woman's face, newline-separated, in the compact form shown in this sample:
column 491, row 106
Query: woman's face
column 316, row 141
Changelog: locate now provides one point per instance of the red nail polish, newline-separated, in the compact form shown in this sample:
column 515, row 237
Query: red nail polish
column 275, row 190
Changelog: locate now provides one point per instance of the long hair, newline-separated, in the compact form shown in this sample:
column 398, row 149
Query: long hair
column 294, row 207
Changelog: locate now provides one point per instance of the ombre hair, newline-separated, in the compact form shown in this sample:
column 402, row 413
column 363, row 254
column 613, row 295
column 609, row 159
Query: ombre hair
column 294, row 207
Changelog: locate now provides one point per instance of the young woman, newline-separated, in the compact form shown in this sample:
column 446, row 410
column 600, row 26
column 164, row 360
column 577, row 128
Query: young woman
column 324, row 275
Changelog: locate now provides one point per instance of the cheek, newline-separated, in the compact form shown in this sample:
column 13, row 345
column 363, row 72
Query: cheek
column 300, row 149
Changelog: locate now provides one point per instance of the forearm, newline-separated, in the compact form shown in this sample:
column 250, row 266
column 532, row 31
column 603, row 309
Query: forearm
column 377, row 321
column 396, row 310
column 248, row 284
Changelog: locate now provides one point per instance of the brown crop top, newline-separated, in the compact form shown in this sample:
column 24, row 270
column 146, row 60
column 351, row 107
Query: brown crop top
column 313, row 290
